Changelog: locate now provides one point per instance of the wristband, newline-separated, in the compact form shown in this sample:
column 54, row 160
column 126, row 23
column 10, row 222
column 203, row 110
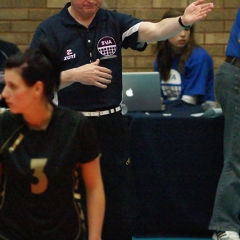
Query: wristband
column 182, row 25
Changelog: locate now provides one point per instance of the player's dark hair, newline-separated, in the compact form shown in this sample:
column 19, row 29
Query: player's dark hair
column 164, row 52
column 41, row 64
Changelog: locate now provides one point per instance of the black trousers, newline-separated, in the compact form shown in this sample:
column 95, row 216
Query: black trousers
column 113, row 137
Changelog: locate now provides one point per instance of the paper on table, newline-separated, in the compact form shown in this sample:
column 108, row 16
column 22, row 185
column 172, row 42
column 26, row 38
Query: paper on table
column 211, row 113
column 196, row 114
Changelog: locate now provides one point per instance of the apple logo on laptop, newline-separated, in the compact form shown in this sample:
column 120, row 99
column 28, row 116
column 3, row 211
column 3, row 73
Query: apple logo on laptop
column 129, row 92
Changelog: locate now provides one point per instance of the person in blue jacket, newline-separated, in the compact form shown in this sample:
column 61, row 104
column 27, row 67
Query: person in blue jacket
column 186, row 69
column 225, row 218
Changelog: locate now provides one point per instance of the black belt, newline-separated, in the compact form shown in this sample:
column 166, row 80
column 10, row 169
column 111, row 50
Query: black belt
column 233, row 60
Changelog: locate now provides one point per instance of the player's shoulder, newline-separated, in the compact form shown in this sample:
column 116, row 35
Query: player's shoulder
column 9, row 122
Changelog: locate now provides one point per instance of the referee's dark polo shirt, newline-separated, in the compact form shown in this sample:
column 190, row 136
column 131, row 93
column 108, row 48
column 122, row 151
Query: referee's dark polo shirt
column 77, row 45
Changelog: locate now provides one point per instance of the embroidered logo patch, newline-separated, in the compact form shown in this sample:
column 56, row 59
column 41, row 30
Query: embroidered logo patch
column 107, row 46
column 70, row 55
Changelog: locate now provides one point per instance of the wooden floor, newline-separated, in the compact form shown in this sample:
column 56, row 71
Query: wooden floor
column 139, row 238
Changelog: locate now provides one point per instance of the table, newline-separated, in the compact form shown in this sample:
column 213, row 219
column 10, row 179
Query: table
column 177, row 160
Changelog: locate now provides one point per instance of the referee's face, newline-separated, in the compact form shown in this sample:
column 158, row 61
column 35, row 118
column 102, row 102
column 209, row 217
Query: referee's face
column 86, row 8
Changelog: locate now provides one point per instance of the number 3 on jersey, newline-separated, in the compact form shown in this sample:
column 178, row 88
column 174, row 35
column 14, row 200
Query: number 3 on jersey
column 38, row 164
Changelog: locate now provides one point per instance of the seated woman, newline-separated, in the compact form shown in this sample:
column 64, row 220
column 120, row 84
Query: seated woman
column 186, row 69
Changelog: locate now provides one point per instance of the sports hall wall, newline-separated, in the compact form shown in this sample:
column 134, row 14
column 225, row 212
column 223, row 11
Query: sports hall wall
column 19, row 19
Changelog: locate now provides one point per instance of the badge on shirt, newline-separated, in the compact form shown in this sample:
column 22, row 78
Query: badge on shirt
column 107, row 47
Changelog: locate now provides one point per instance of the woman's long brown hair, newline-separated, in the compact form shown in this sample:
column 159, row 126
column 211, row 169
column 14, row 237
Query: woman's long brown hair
column 163, row 50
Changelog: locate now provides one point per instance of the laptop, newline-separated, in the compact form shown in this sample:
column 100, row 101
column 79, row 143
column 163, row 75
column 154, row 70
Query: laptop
column 141, row 92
